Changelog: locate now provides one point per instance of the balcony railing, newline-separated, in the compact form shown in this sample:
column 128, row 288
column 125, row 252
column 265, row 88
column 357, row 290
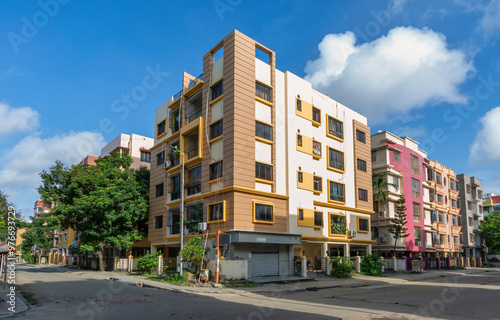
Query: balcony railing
column 177, row 95
column 193, row 152
column 175, row 195
column 194, row 82
column 193, row 115
column 193, row 189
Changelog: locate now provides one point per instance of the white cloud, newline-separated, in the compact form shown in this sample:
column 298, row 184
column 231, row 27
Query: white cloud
column 411, row 132
column 490, row 22
column 15, row 120
column 486, row 146
column 20, row 167
column 392, row 75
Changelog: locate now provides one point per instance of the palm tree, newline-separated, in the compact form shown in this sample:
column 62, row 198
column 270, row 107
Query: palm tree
column 380, row 183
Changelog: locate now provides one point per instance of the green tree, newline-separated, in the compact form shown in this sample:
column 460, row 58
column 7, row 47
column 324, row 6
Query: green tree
column 39, row 234
column 5, row 213
column 107, row 203
column 398, row 223
column 380, row 184
column 193, row 251
column 491, row 231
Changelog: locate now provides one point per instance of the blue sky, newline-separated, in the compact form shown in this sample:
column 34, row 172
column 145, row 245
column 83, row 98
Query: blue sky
column 426, row 69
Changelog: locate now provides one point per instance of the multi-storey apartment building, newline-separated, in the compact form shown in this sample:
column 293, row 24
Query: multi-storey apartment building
column 471, row 212
column 445, row 217
column 134, row 145
column 491, row 203
column 404, row 166
column 266, row 159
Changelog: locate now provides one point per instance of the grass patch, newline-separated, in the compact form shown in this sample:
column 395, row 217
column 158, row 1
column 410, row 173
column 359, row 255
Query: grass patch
column 457, row 268
column 174, row 279
column 243, row 285
column 28, row 296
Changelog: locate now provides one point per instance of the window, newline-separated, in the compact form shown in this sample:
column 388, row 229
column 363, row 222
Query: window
column 263, row 130
column 318, row 183
column 124, row 152
column 160, row 158
column 374, row 156
column 440, row 218
column 417, row 212
column 374, row 232
column 395, row 181
column 300, row 177
column 362, row 194
column 433, row 216
column 216, row 211
column 453, row 221
column 414, row 164
column 445, row 200
column 469, row 205
column 361, row 165
column 145, row 156
column 299, row 105
column 316, row 114
column 216, row 129
column 418, row 236
column 468, row 188
column 396, row 156
column 363, row 225
column 217, row 90
column 175, row 119
column 431, row 174
column 444, row 182
column 441, row 238
column 159, row 190
column 158, row 222
column 160, row 128
column 439, row 178
column 440, row 198
column 263, row 212
column 338, row 225
column 215, row 170
column 263, row 171
column 175, row 187
column 360, row 136
column 316, row 148
column 318, row 218
column 194, row 178
column 299, row 140
column 335, row 127
column 336, row 192
column 301, row 214
column 194, row 214
column 335, row 159
column 263, row 91
column 415, row 188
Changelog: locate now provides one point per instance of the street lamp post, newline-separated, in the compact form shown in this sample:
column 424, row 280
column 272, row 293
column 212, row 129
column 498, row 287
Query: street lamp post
column 181, row 154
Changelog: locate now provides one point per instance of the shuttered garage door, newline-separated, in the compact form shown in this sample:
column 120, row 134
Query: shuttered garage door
column 265, row 260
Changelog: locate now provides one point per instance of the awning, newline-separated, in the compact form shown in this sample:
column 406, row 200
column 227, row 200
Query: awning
column 243, row 236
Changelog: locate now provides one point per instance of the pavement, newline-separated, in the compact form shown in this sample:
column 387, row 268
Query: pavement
column 18, row 304
column 319, row 282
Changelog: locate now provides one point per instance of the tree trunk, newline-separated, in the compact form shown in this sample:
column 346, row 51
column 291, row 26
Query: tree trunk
column 40, row 258
column 101, row 260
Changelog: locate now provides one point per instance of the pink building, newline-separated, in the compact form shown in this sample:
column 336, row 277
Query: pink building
column 405, row 166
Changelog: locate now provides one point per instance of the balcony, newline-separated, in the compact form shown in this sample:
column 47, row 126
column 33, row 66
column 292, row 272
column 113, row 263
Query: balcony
column 194, row 82
column 194, row 106
column 193, row 189
column 175, row 195
column 177, row 95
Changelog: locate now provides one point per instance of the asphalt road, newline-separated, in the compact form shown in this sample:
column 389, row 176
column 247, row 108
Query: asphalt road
column 69, row 296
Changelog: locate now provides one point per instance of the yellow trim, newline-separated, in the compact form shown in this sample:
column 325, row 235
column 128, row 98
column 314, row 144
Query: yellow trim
column 328, row 132
column 264, row 181
column 338, row 239
column 308, row 182
column 264, row 140
column 328, row 186
column 269, row 124
column 219, row 98
column 224, row 207
column 158, row 136
column 314, row 122
column 215, row 180
column 194, row 89
column 368, row 224
column 330, row 223
column 308, row 221
column 173, row 136
column 307, row 145
column 341, row 207
column 328, row 160
column 269, row 164
column 254, row 202
column 266, row 84
column 216, row 139
column 263, row 101
column 175, row 103
column 306, row 111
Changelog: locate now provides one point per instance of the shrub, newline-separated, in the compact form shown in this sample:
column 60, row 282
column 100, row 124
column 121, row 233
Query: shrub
column 193, row 251
column 371, row 265
column 342, row 267
column 148, row 263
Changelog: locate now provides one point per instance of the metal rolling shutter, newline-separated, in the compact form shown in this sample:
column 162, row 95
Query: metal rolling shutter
column 265, row 260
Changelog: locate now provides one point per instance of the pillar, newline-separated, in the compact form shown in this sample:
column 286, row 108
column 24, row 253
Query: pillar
column 358, row 264
column 159, row 265
column 382, row 261
column 438, row 262
column 304, row 267
column 328, row 265
column 115, row 264
column 129, row 269
column 395, row 263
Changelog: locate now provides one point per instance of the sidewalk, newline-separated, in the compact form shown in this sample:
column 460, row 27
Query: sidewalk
column 321, row 281
column 5, row 298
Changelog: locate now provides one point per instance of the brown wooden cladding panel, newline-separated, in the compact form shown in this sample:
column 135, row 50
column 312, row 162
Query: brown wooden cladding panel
column 156, row 205
column 362, row 179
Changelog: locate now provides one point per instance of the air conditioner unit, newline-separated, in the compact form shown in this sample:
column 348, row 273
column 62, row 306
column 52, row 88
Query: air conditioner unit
column 167, row 164
column 202, row 226
column 381, row 214
column 383, row 239
column 352, row 233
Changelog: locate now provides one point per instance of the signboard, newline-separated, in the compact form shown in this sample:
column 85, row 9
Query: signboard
column 416, row 265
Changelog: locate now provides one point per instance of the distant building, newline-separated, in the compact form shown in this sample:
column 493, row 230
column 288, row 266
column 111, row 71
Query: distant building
column 89, row 160
column 471, row 211
column 491, row 203
column 138, row 147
